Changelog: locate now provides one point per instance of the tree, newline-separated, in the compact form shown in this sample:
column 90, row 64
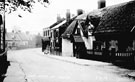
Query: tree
column 26, row 5
column 38, row 40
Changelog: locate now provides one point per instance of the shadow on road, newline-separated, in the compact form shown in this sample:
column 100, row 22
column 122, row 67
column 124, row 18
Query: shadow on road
column 126, row 65
column 120, row 63
column 130, row 66
column 3, row 70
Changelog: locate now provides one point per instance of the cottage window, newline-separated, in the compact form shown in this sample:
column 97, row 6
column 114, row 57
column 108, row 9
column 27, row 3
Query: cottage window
column 48, row 33
column 51, row 34
column 54, row 33
column 44, row 33
column 57, row 33
column 113, row 44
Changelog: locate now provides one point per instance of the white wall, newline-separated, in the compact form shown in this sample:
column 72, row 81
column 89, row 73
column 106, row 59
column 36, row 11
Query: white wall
column 67, row 48
column 89, row 42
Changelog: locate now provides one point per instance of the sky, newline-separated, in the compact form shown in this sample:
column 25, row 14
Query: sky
column 42, row 17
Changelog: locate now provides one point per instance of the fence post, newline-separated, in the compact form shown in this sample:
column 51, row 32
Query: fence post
column 105, row 54
column 113, row 54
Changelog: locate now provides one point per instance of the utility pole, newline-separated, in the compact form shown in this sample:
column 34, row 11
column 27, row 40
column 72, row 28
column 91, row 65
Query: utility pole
column 2, row 25
column 3, row 50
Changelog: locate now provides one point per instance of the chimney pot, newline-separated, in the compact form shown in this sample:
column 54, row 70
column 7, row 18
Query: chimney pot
column 79, row 11
column 101, row 4
column 68, row 15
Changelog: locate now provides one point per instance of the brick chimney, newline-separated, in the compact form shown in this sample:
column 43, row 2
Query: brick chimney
column 79, row 11
column 58, row 17
column 101, row 3
column 68, row 15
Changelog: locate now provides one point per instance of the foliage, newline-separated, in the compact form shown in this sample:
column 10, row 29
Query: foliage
column 26, row 5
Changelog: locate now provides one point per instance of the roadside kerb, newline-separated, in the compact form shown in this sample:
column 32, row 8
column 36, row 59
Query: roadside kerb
column 74, row 60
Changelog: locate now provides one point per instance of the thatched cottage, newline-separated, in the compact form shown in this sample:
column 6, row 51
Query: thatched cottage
column 114, row 28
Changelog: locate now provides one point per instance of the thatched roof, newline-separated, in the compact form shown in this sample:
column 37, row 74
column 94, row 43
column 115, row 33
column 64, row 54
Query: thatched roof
column 82, row 16
column 116, row 18
column 70, row 29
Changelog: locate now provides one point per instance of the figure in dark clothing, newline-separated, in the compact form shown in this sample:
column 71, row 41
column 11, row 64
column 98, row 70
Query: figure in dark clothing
column 43, row 45
column 81, row 50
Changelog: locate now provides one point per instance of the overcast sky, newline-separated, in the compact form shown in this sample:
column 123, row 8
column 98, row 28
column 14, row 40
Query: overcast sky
column 42, row 17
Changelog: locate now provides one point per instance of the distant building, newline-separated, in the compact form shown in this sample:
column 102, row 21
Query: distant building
column 50, row 33
column 46, row 38
column 12, row 40
column 20, row 40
